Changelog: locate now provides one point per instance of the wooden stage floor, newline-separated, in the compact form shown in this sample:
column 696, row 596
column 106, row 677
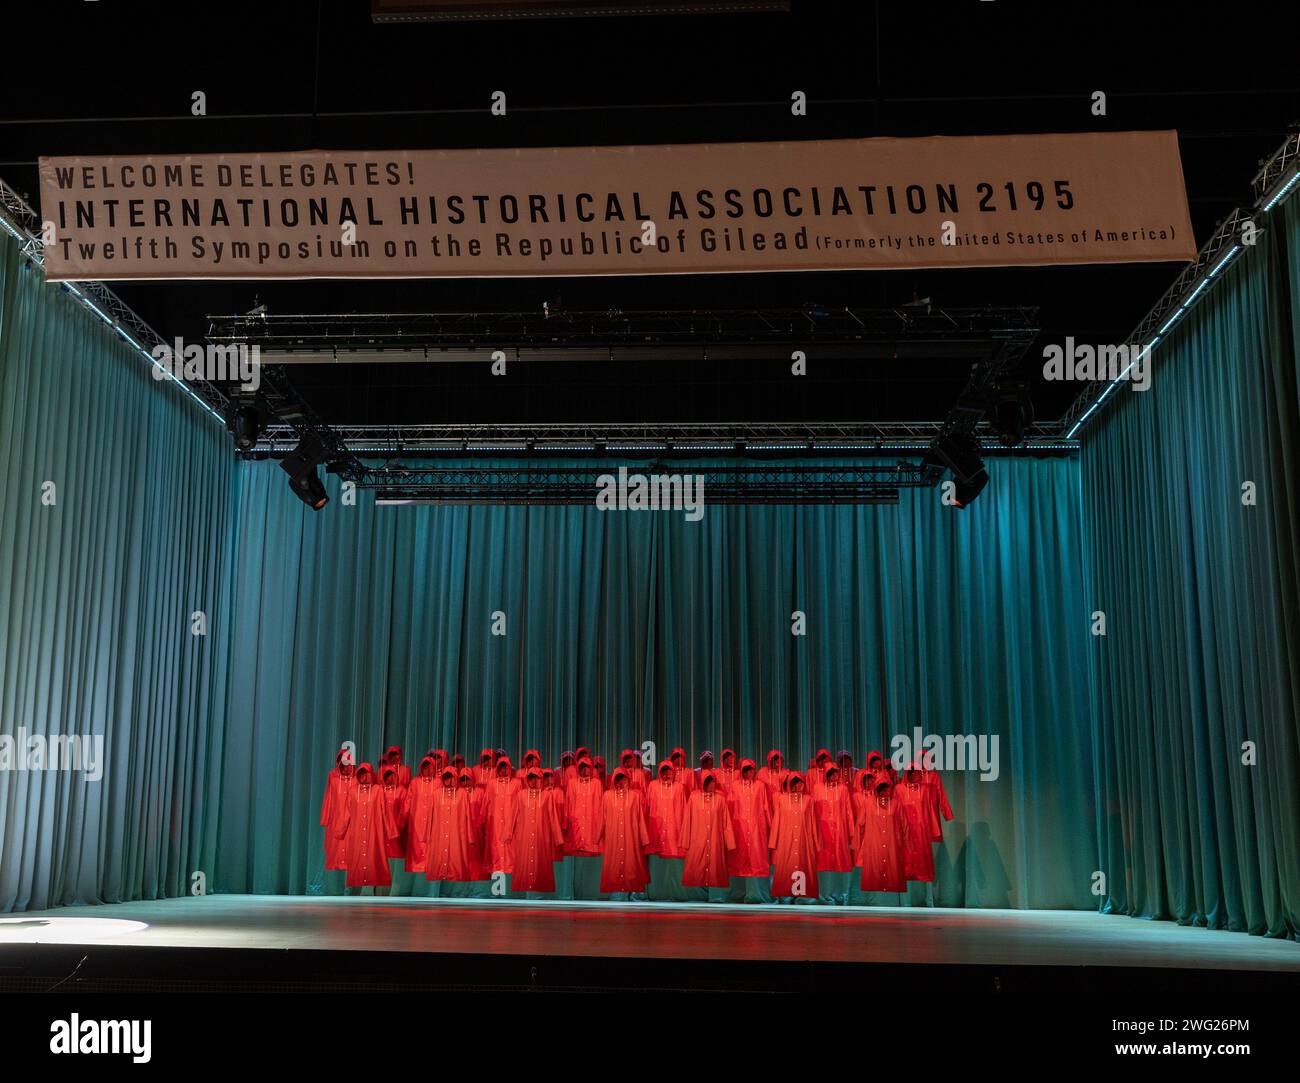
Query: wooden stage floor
column 605, row 943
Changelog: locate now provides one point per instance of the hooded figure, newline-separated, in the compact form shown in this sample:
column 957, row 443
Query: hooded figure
column 567, row 769
column 881, row 767
column 685, row 776
column 449, row 840
column 940, row 800
column 485, row 768
column 917, row 801
column 337, row 784
column 583, row 801
column 665, row 813
column 630, row 760
column 532, row 759
column 835, row 823
column 554, row 795
column 623, row 837
column 393, row 758
column 500, row 817
column 864, row 787
column 793, row 842
column 844, row 761
column 419, row 803
column 395, row 799
column 709, row 837
column 439, row 759
column 728, row 772
column 598, row 762
column 706, row 764
column 579, row 755
column 883, row 840
column 773, row 776
column 535, row 833
column 365, row 828
column 751, row 821
column 816, row 772
column 476, row 799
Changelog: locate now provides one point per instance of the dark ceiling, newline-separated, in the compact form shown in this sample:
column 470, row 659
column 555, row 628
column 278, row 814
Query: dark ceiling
column 107, row 78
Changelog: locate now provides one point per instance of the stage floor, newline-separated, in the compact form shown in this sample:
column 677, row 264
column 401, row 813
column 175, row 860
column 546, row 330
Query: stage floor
column 700, row 932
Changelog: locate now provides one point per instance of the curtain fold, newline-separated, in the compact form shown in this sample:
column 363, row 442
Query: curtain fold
column 1196, row 685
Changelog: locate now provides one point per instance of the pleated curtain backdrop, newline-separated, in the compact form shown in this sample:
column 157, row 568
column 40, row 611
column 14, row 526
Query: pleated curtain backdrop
column 1196, row 684
column 115, row 531
column 374, row 624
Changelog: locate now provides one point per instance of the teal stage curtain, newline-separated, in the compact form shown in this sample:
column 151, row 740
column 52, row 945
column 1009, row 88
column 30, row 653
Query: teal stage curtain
column 100, row 575
column 1196, row 685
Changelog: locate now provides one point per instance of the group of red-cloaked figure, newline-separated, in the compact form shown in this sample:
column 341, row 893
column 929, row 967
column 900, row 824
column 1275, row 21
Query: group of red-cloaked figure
column 455, row 822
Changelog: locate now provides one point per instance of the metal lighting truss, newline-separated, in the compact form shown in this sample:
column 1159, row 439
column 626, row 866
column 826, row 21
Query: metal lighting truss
column 601, row 335
column 729, row 484
column 663, row 438
column 18, row 219
column 1277, row 180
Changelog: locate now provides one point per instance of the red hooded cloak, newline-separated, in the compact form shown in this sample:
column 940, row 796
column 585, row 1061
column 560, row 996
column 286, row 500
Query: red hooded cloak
column 665, row 813
column 751, row 820
column 774, row 775
column 623, row 837
column 334, row 806
column 500, row 816
column 366, row 828
column 835, row 824
column 420, row 796
column 793, row 841
column 709, row 837
column 583, row 802
column 883, row 840
column 534, row 833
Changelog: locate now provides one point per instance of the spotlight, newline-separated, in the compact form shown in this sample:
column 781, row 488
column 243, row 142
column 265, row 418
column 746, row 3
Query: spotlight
column 960, row 453
column 300, row 464
column 310, row 489
column 245, row 419
column 1013, row 413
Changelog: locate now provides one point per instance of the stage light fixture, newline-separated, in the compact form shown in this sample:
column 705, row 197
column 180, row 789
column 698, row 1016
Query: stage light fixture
column 300, row 464
column 245, row 420
column 960, row 453
column 1013, row 413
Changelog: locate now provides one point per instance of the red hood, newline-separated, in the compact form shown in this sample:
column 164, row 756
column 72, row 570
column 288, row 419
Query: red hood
column 828, row 770
column 866, row 780
column 365, row 774
column 678, row 752
column 706, row 778
column 548, row 778
column 445, row 774
column 532, row 773
column 875, row 760
column 748, row 763
column 771, row 756
column 431, row 764
column 667, row 765
column 509, row 768
column 728, row 752
column 535, row 756
column 583, row 752
column 465, row 776
column 884, row 786
column 618, row 773
column 486, row 757
column 628, row 758
column 340, row 756
column 389, row 775
column 792, row 778
column 390, row 750
column 584, row 762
